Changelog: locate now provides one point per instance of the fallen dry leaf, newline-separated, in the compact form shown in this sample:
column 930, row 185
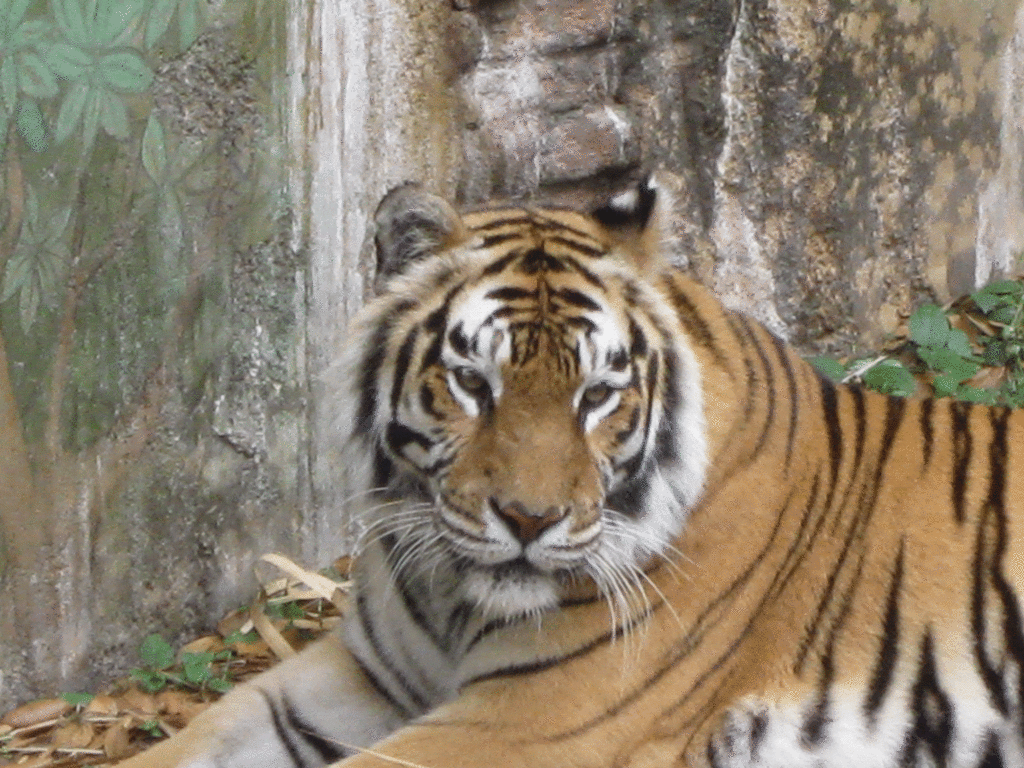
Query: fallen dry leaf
column 101, row 705
column 179, row 707
column 141, row 702
column 73, row 736
column 35, row 712
column 118, row 722
column 208, row 644
column 117, row 739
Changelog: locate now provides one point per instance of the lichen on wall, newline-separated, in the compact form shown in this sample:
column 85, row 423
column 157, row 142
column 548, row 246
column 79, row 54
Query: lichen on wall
column 837, row 163
column 1000, row 239
column 865, row 135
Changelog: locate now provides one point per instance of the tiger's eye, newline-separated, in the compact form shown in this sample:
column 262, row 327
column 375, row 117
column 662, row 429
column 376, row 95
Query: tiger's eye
column 596, row 395
column 471, row 381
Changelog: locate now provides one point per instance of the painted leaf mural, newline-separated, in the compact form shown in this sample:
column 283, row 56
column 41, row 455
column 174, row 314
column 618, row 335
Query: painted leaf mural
column 134, row 135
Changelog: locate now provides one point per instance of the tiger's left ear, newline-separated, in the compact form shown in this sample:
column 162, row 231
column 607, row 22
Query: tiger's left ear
column 411, row 225
column 639, row 222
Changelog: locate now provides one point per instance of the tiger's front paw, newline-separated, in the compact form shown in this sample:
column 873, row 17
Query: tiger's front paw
column 244, row 729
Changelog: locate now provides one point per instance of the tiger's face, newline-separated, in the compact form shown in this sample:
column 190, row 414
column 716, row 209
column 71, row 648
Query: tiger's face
column 533, row 419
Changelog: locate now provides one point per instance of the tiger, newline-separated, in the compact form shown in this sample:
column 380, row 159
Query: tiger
column 607, row 521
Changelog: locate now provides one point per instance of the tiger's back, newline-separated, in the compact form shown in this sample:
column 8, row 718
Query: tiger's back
column 613, row 523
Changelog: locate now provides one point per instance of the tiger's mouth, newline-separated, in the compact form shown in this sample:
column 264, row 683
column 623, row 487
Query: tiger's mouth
column 520, row 568
column 501, row 571
column 512, row 588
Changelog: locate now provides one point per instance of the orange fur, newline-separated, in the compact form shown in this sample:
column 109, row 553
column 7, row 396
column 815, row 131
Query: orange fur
column 852, row 565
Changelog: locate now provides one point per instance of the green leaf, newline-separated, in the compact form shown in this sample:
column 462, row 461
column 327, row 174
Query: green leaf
column 929, row 326
column 289, row 610
column 891, row 378
column 1004, row 314
column 196, row 667
column 159, row 19
column 172, row 228
column 28, row 304
column 35, row 77
column 16, row 273
column 828, row 367
column 1012, row 288
column 987, row 301
column 67, row 61
column 16, row 12
column 32, row 33
column 9, row 84
column 945, row 385
column 77, row 699
column 31, row 209
column 958, row 343
column 31, row 126
column 114, row 18
column 188, row 23
column 975, row 395
column 149, row 680
column 114, row 117
column 949, row 363
column 1000, row 301
column 154, row 149
column 156, row 653
column 71, row 109
column 239, row 637
column 997, row 353
column 71, row 20
column 219, row 685
column 91, row 119
column 125, row 71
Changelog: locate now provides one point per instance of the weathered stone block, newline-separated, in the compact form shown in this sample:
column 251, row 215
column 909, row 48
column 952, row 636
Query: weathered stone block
column 586, row 143
column 578, row 79
column 552, row 26
column 464, row 40
column 558, row 25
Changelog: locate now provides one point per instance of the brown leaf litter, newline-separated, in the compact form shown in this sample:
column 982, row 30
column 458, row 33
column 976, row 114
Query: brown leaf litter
column 124, row 719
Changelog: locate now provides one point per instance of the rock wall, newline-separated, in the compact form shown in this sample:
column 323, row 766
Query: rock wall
column 837, row 162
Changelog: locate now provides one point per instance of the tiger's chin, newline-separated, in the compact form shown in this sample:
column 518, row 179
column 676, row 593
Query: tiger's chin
column 511, row 590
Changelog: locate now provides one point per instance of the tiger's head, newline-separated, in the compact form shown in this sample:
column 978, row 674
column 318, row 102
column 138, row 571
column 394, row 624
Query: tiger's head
column 521, row 402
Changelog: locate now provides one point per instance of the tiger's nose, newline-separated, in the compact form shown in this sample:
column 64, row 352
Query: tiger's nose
column 526, row 524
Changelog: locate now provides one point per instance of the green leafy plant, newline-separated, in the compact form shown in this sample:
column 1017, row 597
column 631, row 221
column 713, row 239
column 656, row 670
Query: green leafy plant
column 201, row 671
column 77, row 699
column 242, row 637
column 944, row 355
column 288, row 610
column 152, row 727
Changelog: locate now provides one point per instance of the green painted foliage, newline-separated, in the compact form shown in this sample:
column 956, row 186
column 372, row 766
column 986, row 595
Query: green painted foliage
column 33, row 272
column 113, row 208
column 70, row 71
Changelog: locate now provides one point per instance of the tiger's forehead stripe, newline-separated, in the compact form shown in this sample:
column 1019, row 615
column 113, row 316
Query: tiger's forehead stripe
column 522, row 257
column 567, row 227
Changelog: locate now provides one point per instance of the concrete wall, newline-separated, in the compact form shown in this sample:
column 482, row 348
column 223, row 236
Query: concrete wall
column 160, row 410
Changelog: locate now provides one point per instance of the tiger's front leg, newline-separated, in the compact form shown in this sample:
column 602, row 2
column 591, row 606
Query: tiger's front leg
column 468, row 744
column 300, row 713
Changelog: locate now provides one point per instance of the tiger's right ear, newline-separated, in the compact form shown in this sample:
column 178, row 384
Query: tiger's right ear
column 639, row 221
column 412, row 224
